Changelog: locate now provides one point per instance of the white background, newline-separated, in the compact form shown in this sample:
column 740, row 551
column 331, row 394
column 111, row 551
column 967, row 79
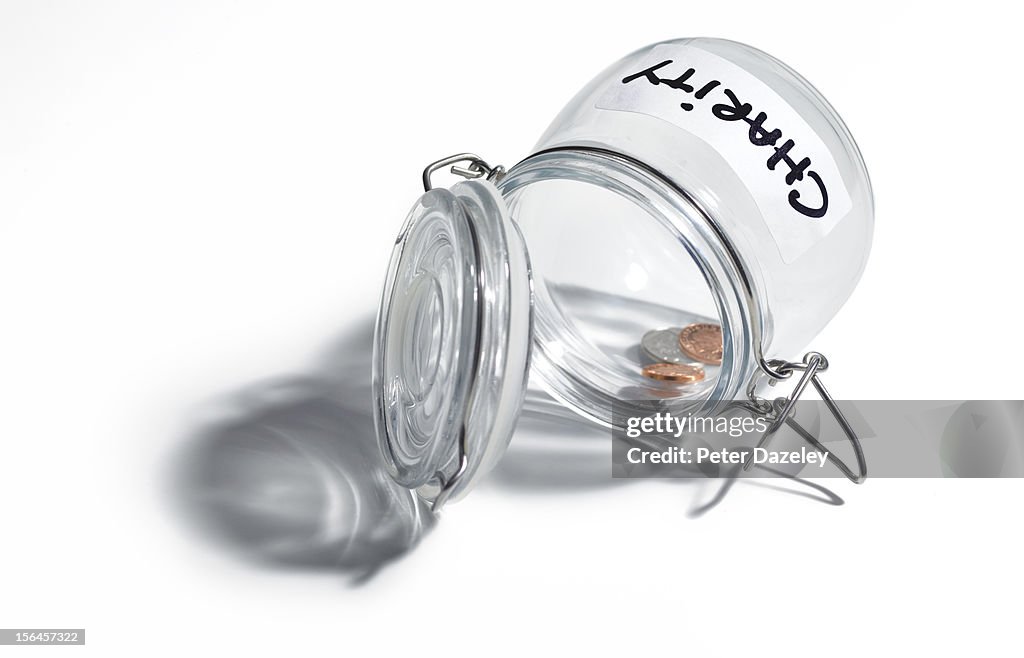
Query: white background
column 197, row 197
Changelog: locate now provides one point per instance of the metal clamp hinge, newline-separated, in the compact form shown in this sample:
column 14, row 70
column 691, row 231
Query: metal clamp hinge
column 476, row 168
column 780, row 410
column 449, row 482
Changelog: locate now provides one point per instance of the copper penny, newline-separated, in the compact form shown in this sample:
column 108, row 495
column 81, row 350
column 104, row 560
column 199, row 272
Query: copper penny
column 685, row 373
column 702, row 342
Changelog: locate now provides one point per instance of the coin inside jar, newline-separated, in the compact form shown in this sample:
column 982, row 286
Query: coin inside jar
column 703, row 342
column 684, row 373
column 663, row 345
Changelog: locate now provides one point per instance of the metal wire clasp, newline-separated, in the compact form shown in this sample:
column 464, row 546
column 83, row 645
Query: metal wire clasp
column 477, row 168
column 781, row 409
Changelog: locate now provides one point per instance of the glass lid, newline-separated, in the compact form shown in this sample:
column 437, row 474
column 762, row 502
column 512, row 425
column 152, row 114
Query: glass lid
column 452, row 341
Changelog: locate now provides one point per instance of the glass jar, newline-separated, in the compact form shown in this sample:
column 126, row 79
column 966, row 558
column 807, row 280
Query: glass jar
column 694, row 181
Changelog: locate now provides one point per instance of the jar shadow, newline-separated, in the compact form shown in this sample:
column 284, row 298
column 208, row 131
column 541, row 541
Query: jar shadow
column 287, row 474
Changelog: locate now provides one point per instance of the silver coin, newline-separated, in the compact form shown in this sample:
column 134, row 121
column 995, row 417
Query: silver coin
column 663, row 345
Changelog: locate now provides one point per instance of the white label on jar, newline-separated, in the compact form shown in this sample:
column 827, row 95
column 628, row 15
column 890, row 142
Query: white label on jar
column 779, row 158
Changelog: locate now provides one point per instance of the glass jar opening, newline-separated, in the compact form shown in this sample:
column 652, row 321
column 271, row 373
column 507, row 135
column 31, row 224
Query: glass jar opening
column 617, row 252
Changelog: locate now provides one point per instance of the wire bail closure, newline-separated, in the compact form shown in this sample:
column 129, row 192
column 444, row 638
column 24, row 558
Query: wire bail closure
column 476, row 168
column 780, row 410
column 450, row 482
